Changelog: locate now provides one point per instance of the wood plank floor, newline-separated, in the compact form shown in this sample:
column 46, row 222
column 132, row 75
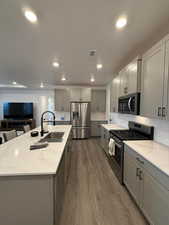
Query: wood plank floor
column 94, row 195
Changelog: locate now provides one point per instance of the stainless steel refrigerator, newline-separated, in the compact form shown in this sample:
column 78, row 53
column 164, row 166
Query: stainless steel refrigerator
column 80, row 119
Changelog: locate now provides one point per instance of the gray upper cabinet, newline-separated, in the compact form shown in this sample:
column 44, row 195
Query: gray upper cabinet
column 85, row 94
column 153, row 103
column 123, row 82
column 98, row 103
column 134, row 76
column 130, row 78
column 80, row 94
column 62, row 100
column 114, row 94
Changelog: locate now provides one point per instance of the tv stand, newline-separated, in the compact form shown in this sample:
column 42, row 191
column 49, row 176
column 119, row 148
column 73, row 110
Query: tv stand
column 9, row 124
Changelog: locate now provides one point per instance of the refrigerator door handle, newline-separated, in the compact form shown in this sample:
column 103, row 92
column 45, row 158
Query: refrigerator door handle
column 75, row 115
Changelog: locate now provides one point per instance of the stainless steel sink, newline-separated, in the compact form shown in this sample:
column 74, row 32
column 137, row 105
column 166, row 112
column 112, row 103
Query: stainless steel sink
column 53, row 137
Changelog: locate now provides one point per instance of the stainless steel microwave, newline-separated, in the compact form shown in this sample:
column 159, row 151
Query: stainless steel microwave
column 129, row 104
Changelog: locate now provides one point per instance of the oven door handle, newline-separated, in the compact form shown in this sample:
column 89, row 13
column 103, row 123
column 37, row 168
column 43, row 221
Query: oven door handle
column 129, row 103
column 118, row 145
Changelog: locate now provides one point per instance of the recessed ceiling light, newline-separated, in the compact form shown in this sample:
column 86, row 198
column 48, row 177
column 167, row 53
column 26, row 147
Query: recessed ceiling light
column 63, row 79
column 121, row 22
column 99, row 66
column 56, row 64
column 14, row 83
column 41, row 86
column 30, row 15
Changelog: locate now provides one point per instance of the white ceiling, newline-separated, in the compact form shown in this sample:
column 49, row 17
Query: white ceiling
column 66, row 31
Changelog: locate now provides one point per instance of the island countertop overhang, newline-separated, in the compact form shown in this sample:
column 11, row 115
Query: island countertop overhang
column 16, row 158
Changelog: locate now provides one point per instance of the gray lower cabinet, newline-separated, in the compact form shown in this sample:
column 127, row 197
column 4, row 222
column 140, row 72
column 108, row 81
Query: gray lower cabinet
column 96, row 128
column 59, row 189
column 144, row 183
column 37, row 199
column 104, row 140
column 61, row 180
column 155, row 201
column 131, row 179
column 26, row 200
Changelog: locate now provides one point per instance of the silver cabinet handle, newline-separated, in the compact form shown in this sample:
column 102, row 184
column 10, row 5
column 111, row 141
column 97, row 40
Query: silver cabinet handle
column 140, row 175
column 138, row 159
column 159, row 111
column 163, row 112
column 137, row 172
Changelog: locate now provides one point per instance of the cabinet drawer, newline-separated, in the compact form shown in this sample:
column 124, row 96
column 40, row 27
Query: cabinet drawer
column 155, row 172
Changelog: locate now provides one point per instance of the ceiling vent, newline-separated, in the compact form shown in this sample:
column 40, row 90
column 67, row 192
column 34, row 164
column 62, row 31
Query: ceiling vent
column 92, row 52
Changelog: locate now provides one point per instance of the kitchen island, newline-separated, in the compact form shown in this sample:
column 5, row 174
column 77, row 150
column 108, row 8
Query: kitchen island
column 32, row 183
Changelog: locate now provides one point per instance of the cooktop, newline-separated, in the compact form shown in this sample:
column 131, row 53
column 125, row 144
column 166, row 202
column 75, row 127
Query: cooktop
column 124, row 135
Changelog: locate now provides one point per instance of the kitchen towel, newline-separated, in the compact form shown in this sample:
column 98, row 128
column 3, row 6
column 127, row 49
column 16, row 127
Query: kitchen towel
column 38, row 145
column 111, row 147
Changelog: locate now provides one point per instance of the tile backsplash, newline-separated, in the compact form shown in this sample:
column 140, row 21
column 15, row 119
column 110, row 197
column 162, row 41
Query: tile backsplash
column 161, row 127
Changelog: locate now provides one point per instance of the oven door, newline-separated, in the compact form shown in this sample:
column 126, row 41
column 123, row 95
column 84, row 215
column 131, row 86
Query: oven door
column 118, row 156
column 116, row 161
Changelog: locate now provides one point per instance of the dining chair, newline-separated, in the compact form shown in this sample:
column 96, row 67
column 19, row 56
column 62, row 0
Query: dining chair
column 9, row 135
column 26, row 128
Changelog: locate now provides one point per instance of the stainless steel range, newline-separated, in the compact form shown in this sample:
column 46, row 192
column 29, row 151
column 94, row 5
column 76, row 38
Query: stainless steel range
column 136, row 131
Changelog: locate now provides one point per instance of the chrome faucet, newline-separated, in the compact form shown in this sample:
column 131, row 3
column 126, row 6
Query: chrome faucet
column 42, row 130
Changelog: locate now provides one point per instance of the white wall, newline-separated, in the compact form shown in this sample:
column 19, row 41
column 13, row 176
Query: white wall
column 43, row 100
column 161, row 131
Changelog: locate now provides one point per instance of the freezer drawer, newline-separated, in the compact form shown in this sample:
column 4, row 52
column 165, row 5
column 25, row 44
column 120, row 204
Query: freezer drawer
column 81, row 132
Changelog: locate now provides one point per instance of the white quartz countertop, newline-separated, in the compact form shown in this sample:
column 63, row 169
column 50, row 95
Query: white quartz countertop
column 112, row 127
column 156, row 153
column 16, row 158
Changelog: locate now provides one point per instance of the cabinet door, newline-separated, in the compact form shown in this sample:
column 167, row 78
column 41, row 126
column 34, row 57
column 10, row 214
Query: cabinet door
column 75, row 94
column 95, row 131
column 107, row 138
column 114, row 95
column 131, row 180
column 80, row 94
column 155, row 203
column 102, row 139
column 85, row 94
column 152, row 81
column 166, row 83
column 132, row 77
column 62, row 100
column 59, row 189
column 123, row 82
column 101, row 99
column 58, row 100
column 98, row 102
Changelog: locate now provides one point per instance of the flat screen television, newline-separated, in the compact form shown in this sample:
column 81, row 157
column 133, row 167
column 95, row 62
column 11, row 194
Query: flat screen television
column 18, row 110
